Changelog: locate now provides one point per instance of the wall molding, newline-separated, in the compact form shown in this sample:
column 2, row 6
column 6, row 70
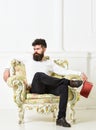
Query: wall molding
column 93, row 16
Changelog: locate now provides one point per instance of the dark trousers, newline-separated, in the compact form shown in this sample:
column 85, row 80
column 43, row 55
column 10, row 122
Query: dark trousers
column 44, row 84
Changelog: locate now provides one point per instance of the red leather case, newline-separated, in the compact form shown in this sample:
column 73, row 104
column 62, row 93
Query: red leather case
column 86, row 89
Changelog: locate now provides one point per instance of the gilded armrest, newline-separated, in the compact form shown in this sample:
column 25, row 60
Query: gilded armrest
column 18, row 81
column 19, row 89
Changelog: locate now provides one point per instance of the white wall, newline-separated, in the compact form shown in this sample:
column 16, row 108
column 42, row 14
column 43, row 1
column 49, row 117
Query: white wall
column 69, row 27
column 79, row 25
column 21, row 21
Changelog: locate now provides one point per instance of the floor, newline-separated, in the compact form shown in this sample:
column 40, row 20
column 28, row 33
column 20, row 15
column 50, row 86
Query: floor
column 86, row 120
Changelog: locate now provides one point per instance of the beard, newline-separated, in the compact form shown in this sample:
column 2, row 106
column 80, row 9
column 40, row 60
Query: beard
column 38, row 57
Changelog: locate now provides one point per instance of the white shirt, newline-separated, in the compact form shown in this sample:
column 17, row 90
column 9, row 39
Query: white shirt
column 46, row 67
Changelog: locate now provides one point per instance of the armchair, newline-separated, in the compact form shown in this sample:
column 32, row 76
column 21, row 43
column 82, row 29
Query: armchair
column 42, row 103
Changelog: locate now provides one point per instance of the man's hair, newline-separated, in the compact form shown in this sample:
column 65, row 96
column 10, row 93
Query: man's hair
column 40, row 41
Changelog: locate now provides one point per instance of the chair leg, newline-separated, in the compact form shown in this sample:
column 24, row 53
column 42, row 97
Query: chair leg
column 54, row 115
column 54, row 111
column 72, row 114
column 21, row 115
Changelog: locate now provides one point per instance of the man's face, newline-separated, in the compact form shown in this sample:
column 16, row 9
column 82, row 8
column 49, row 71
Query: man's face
column 38, row 52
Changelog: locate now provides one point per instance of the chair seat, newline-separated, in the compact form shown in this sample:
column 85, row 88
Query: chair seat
column 41, row 98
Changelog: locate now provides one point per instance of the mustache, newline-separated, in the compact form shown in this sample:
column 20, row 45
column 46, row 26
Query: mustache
column 36, row 53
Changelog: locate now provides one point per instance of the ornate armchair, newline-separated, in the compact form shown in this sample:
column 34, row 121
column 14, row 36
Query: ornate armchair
column 42, row 103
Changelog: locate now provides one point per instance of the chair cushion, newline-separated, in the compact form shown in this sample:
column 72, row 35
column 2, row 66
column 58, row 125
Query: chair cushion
column 41, row 98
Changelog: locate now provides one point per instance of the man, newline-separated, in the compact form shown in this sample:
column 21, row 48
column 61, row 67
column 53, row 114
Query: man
column 38, row 71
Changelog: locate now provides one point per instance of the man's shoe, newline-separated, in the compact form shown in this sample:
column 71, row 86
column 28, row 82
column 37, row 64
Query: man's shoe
column 76, row 83
column 62, row 122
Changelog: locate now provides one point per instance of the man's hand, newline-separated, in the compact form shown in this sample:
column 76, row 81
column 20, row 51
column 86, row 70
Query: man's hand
column 84, row 77
column 6, row 74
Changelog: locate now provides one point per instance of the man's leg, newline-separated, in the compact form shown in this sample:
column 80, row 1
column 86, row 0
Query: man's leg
column 41, row 80
column 43, row 83
column 62, row 91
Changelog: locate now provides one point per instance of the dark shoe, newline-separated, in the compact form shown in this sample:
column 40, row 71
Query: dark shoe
column 62, row 122
column 76, row 83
